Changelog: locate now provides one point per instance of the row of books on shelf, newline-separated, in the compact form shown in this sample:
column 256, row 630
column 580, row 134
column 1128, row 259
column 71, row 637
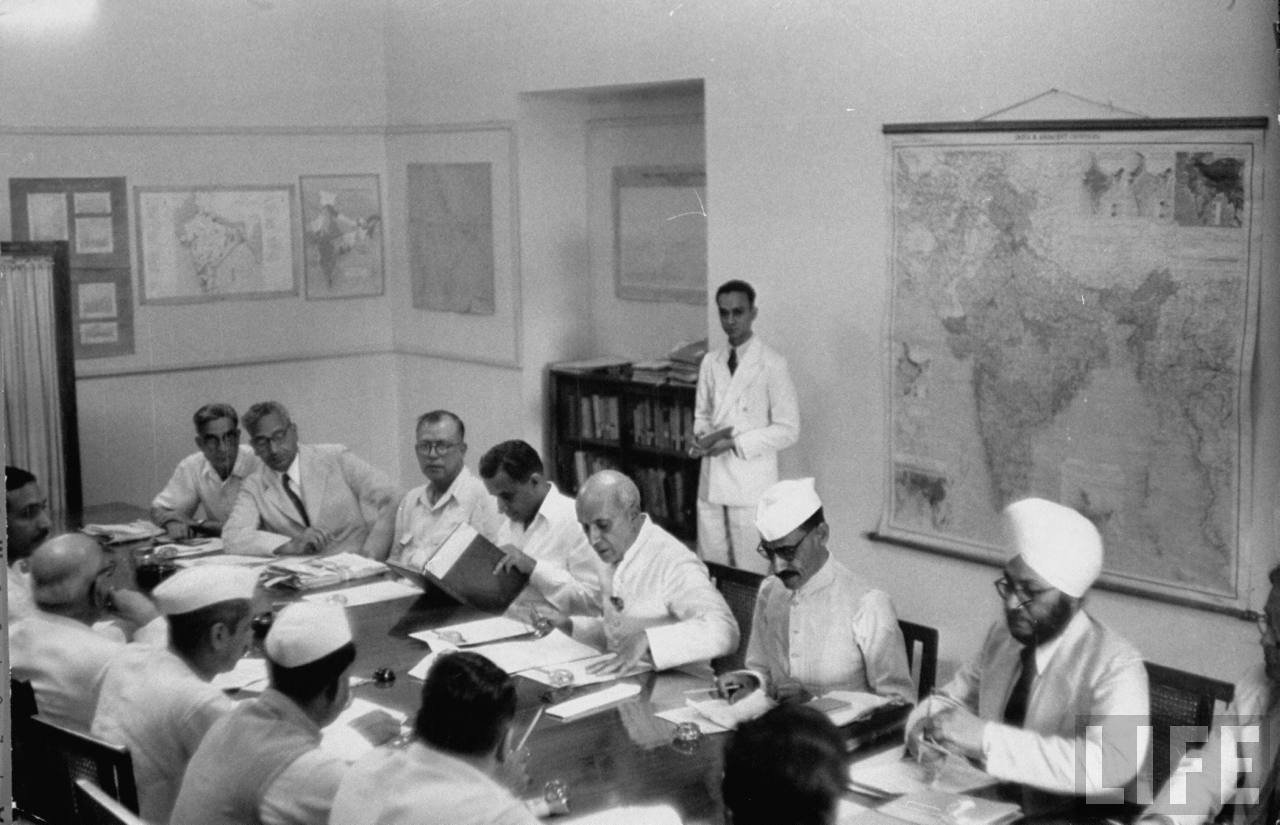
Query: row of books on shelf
column 598, row 417
column 663, row 493
column 662, row 423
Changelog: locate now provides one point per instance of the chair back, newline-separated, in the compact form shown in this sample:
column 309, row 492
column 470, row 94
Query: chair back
column 28, row 757
column 1178, row 698
column 75, row 755
column 924, row 667
column 739, row 588
column 98, row 808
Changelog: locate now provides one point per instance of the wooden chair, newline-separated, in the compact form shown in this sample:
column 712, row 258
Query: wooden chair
column 926, row 671
column 75, row 755
column 739, row 588
column 1179, row 698
column 98, row 808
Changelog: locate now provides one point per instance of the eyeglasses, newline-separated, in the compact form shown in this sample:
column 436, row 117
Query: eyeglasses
column 1025, row 595
column 436, row 447
column 277, row 439
column 212, row 441
column 786, row 552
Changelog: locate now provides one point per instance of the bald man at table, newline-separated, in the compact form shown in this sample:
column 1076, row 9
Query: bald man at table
column 659, row 605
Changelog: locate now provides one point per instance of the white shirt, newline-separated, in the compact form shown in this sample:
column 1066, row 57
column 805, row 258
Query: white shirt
column 63, row 659
column 155, row 705
column 834, row 633
column 420, row 785
column 194, row 482
column 567, row 576
column 661, row 588
column 19, row 591
column 421, row 527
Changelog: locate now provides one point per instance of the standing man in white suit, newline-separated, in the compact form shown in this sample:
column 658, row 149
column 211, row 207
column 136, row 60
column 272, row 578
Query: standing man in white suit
column 745, row 412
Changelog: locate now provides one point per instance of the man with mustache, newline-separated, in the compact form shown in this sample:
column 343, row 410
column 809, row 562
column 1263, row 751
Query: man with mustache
column 26, row 525
column 817, row 627
column 1052, row 691
column 209, row 479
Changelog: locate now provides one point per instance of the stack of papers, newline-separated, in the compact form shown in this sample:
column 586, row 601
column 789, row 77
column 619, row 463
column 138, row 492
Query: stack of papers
column 139, row 530
column 891, row 774
column 346, row 736
column 310, row 572
column 728, row 716
column 552, row 650
column 845, row 706
column 366, row 594
column 230, row 559
column 578, row 672
column 188, row 548
column 941, row 808
column 478, row 632
column 593, row 701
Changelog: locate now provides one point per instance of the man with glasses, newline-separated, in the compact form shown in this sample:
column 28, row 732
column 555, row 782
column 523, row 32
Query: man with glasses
column 451, row 496
column 307, row 498
column 817, row 627
column 1055, row 701
column 209, row 479
column 1239, row 762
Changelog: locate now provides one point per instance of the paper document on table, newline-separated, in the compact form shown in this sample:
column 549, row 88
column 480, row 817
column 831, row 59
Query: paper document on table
column 348, row 736
column 899, row 775
column 689, row 714
column 844, row 706
column 552, row 650
column 478, row 632
column 592, row 701
column 227, row 559
column 729, row 716
column 419, row 671
column 186, row 548
column 383, row 591
column 941, row 808
column 628, row 815
column 311, row 572
column 577, row 670
column 118, row 533
column 248, row 673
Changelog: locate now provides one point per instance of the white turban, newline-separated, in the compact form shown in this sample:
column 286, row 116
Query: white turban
column 785, row 506
column 1060, row 545
column 198, row 587
column 306, row 631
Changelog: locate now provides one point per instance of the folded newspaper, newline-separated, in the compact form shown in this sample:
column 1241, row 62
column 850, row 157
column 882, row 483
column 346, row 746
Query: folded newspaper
column 311, row 572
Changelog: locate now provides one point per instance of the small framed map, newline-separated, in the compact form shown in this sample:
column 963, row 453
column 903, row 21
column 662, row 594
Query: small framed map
column 215, row 243
column 342, row 235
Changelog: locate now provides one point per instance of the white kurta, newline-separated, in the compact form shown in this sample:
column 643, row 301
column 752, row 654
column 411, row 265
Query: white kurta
column 834, row 633
column 421, row 527
column 420, row 785
column 567, row 576
column 195, row 483
column 662, row 589
column 155, row 705
column 19, row 591
column 64, row 660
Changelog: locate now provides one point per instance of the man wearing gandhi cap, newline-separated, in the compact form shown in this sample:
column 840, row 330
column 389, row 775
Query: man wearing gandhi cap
column 817, row 627
column 157, row 701
column 263, row 762
column 1051, row 685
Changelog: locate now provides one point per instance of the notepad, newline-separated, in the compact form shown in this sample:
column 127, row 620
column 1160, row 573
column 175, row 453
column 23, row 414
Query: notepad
column 592, row 701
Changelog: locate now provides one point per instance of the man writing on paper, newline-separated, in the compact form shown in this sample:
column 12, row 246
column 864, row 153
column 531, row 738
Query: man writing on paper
column 263, row 761
column 57, row 647
column 451, row 496
column 540, row 535
column 26, row 525
column 209, row 479
column 658, row 603
column 459, row 771
column 1020, row 706
column 308, row 498
column 745, row 411
column 816, row 626
column 157, row 701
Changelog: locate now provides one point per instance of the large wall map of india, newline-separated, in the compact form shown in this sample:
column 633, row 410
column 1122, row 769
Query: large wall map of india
column 1072, row 319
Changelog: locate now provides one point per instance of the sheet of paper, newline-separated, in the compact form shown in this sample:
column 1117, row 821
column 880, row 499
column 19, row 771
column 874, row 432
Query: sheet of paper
column 189, row 547
column 578, row 672
column 896, row 776
column 476, row 632
column 552, row 650
column 247, row 674
column 857, row 703
column 688, row 714
column 342, row 738
column 728, row 716
column 585, row 704
column 419, row 671
column 230, row 559
column 846, row 809
column 383, row 591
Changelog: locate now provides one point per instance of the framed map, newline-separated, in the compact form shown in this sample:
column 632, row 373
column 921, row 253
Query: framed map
column 1072, row 317
column 660, row 233
column 215, row 243
column 342, row 235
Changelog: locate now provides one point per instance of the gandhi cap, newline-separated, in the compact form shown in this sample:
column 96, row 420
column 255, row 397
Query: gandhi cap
column 198, row 587
column 1060, row 545
column 785, row 506
column 305, row 632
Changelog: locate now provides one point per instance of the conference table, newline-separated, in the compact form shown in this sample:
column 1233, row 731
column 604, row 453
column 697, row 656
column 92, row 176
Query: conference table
column 619, row 755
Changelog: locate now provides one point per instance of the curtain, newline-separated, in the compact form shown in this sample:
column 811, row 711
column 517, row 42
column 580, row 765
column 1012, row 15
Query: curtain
column 29, row 366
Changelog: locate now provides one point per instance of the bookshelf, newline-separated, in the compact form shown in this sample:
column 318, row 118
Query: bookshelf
column 605, row 420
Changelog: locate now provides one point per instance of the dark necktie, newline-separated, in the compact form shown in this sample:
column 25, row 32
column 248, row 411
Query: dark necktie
column 1015, row 712
column 297, row 501
column 733, row 360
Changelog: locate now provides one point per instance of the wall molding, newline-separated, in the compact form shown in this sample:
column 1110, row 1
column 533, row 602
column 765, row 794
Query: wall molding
column 382, row 130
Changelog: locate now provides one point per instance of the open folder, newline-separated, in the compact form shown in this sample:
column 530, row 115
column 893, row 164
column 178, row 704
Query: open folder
column 463, row 568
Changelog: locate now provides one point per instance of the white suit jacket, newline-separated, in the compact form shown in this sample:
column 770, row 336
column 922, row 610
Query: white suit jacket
column 341, row 492
column 759, row 402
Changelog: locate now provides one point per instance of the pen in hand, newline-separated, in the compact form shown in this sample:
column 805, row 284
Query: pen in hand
column 525, row 737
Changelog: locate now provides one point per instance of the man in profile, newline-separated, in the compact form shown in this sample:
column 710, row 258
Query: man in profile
column 745, row 411
column 59, row 647
column 451, row 496
column 307, row 498
column 658, row 605
column 540, row 535
column 158, row 701
column 459, row 771
column 1049, row 666
column 208, row 480
column 26, row 525
column 787, row 766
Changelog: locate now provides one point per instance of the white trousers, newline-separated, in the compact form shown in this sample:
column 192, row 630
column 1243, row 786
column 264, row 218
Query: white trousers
column 727, row 535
